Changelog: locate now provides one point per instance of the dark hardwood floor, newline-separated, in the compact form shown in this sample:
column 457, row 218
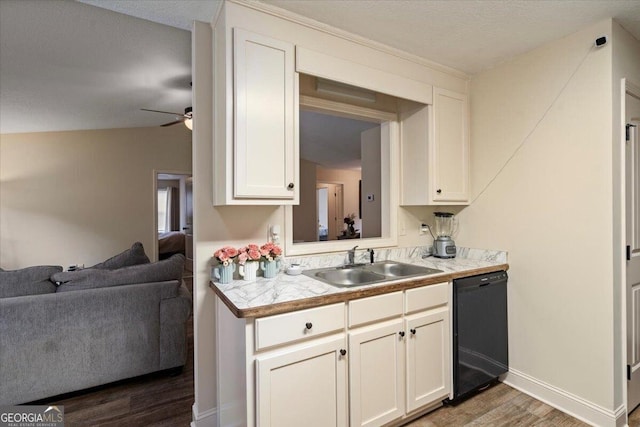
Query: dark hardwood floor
column 163, row 399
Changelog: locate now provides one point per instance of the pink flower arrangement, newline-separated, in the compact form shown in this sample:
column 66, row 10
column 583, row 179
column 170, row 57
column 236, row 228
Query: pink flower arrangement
column 270, row 251
column 226, row 255
column 247, row 253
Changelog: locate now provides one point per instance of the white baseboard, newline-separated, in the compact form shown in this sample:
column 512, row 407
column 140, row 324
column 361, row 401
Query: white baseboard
column 568, row 403
column 207, row 418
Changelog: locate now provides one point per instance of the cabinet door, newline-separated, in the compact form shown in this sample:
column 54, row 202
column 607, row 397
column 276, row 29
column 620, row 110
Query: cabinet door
column 265, row 146
column 306, row 386
column 376, row 374
column 428, row 358
column 450, row 166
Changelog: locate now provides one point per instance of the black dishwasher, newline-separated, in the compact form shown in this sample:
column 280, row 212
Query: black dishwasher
column 480, row 341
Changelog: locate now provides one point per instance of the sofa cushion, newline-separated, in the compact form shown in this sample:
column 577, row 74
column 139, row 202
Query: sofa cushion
column 90, row 278
column 132, row 256
column 28, row 281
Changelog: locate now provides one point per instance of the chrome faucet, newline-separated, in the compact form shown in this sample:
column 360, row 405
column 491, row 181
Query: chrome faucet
column 351, row 254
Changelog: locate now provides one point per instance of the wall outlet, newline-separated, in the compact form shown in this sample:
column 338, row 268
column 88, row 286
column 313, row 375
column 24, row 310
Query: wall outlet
column 273, row 234
column 424, row 229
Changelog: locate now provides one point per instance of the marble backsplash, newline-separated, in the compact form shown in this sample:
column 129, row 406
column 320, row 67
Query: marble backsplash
column 415, row 252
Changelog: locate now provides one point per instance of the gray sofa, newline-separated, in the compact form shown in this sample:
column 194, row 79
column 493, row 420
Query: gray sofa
column 70, row 331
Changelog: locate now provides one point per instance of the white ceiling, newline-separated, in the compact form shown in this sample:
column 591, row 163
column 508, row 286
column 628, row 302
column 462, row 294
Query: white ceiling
column 67, row 65
column 467, row 35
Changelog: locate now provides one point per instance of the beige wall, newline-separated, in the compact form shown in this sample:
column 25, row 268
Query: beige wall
column 626, row 64
column 371, row 183
column 550, row 208
column 349, row 179
column 305, row 225
column 79, row 197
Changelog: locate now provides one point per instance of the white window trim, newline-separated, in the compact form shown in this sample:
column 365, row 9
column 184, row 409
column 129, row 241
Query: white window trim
column 389, row 191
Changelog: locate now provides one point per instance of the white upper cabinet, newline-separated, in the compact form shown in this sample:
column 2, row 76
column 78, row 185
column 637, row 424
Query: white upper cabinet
column 435, row 151
column 450, row 171
column 260, row 154
column 256, row 60
column 264, row 116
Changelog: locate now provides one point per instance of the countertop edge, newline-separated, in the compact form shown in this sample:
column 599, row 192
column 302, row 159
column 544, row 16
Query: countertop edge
column 304, row 303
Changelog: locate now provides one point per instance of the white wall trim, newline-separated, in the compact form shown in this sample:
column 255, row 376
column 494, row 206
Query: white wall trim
column 566, row 402
column 208, row 418
column 359, row 75
column 325, row 28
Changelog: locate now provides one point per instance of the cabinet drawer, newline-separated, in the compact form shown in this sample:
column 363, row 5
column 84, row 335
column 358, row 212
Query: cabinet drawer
column 370, row 309
column 298, row 325
column 426, row 297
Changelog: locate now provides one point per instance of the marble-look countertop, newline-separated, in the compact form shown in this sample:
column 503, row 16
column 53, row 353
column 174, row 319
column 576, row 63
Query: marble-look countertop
column 284, row 293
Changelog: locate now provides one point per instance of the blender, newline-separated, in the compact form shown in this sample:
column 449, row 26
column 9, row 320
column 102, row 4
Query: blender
column 443, row 244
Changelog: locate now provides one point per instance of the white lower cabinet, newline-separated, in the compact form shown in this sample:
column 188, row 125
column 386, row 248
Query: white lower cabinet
column 399, row 366
column 372, row 362
column 376, row 374
column 304, row 386
column 428, row 358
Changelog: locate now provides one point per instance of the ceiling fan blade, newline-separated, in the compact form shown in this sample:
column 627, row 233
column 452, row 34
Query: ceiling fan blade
column 173, row 123
column 164, row 112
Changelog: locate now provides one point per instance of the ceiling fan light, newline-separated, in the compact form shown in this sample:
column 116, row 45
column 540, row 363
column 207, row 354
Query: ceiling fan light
column 189, row 124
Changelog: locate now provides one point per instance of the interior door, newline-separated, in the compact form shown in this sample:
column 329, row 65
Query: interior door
column 339, row 208
column 632, row 159
column 335, row 214
column 188, row 227
column 331, row 209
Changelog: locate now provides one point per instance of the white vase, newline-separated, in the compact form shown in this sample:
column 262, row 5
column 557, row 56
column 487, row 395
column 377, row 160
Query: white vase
column 248, row 270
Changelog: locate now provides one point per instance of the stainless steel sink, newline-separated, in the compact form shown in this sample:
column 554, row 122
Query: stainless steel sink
column 348, row 276
column 366, row 274
column 399, row 269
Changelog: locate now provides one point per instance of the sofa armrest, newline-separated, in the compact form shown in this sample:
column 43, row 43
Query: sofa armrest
column 174, row 313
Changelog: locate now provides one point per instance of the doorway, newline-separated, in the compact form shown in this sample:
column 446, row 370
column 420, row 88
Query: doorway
column 173, row 219
column 330, row 201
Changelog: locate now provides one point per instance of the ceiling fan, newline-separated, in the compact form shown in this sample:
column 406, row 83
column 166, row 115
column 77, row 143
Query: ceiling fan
column 186, row 118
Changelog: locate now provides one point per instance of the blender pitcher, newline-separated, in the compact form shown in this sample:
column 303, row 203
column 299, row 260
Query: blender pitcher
column 443, row 244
